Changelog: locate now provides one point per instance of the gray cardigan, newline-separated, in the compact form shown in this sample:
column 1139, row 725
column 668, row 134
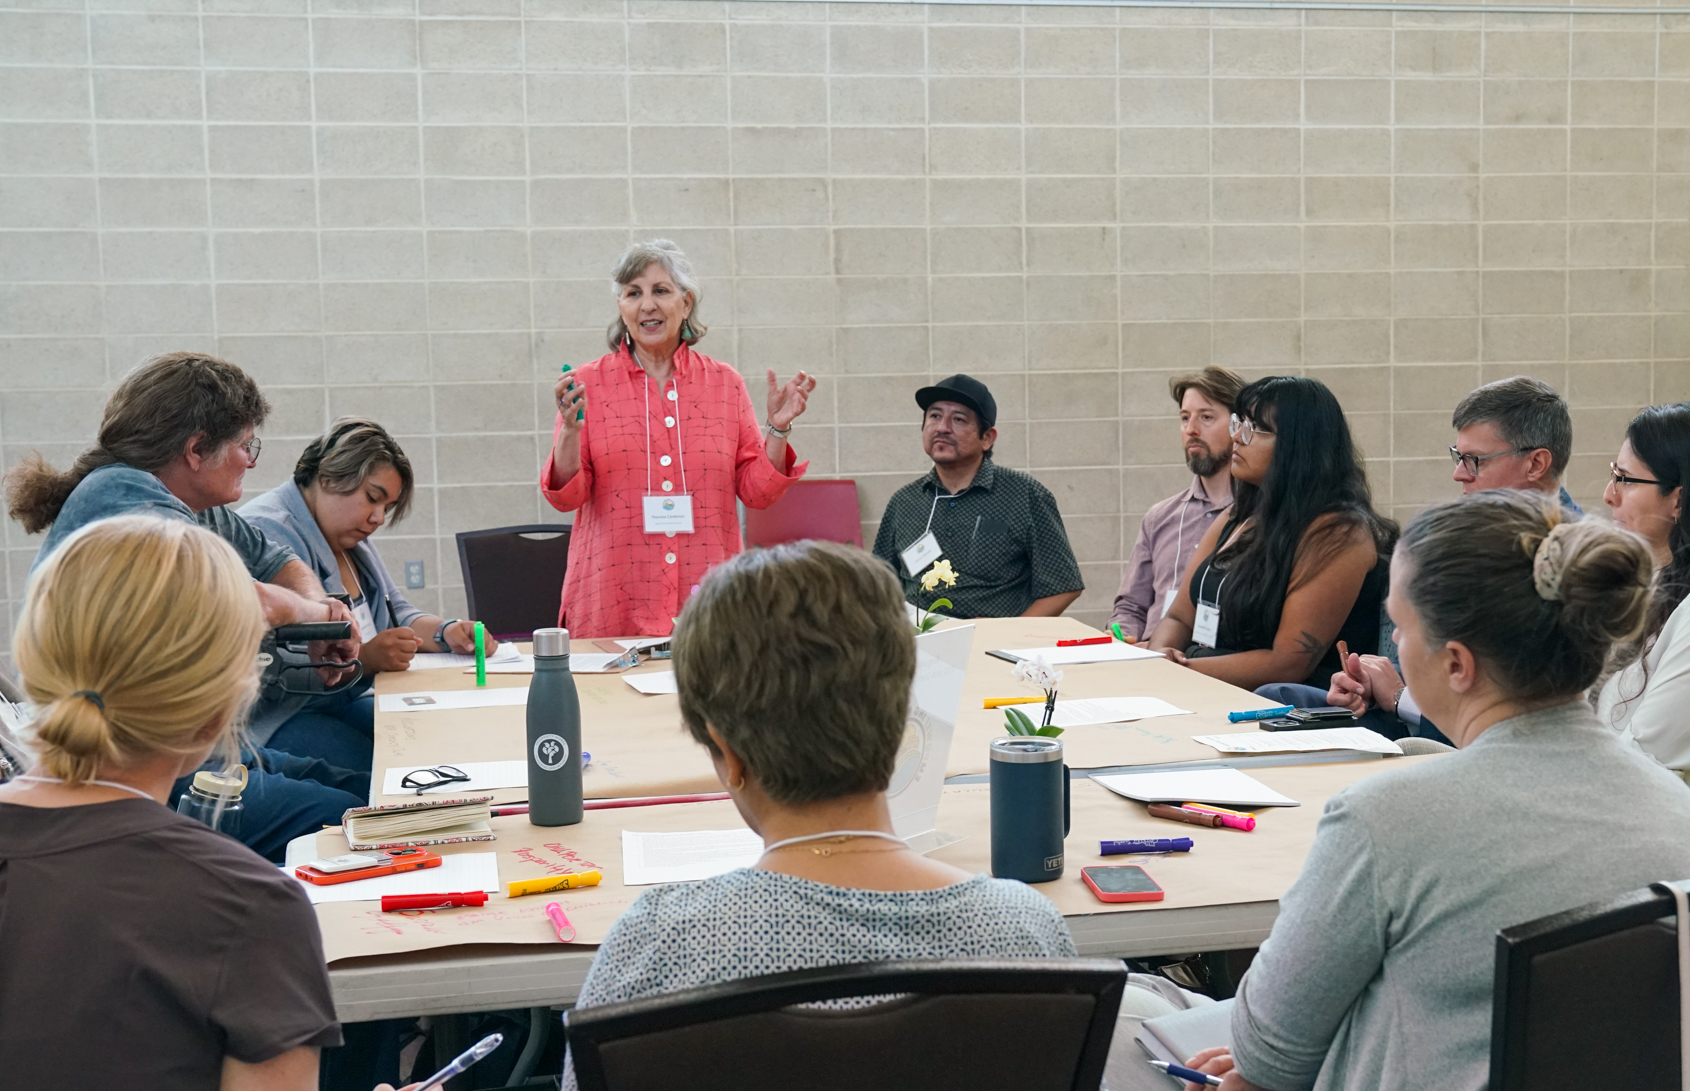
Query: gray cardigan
column 1378, row 973
column 283, row 517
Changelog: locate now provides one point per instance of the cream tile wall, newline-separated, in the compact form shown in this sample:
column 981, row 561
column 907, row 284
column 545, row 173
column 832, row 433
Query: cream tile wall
column 409, row 208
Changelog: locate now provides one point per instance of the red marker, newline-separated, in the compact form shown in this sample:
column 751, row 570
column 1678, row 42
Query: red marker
column 1083, row 643
column 394, row 902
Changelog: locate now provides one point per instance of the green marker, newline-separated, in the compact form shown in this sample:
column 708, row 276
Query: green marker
column 579, row 413
column 480, row 654
column 1115, row 627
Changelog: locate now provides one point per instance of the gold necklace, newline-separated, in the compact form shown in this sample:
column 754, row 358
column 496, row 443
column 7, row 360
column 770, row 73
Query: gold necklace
column 824, row 850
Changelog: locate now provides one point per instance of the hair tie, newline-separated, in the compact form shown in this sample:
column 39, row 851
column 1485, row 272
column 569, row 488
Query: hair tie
column 91, row 697
column 1549, row 563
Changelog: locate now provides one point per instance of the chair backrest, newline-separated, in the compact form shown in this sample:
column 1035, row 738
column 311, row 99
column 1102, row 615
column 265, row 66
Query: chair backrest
column 1028, row 1024
column 1589, row 998
column 513, row 577
column 826, row 510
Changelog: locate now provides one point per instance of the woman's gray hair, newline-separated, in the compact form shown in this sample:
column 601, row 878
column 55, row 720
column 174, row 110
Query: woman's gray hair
column 633, row 262
column 351, row 450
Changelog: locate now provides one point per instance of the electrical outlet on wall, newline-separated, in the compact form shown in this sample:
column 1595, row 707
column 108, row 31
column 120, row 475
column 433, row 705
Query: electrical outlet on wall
column 414, row 575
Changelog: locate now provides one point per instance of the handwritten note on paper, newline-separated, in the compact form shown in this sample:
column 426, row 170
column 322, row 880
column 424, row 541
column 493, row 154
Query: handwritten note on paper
column 507, row 652
column 686, row 857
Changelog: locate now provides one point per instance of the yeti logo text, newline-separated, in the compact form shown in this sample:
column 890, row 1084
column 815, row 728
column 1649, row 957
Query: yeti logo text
column 550, row 752
column 1054, row 863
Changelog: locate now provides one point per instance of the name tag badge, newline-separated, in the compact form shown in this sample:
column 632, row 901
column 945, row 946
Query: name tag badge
column 1207, row 625
column 366, row 621
column 668, row 514
column 923, row 553
column 1168, row 599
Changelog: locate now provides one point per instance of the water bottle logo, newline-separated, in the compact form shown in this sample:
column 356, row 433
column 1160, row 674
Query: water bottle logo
column 550, row 752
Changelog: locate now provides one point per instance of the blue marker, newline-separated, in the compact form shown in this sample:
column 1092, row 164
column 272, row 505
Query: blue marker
column 1180, row 1072
column 1148, row 844
column 1259, row 714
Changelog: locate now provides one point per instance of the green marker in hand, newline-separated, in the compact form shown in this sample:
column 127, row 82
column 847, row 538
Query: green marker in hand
column 480, row 654
column 579, row 413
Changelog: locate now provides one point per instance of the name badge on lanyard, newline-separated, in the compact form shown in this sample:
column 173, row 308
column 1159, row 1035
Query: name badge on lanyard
column 923, row 553
column 1205, row 629
column 668, row 514
column 1168, row 599
column 366, row 621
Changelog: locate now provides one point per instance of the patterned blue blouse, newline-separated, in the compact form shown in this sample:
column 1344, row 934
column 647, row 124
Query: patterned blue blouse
column 751, row 922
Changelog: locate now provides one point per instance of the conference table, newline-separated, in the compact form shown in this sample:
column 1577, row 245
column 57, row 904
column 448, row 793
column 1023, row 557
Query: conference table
column 1222, row 895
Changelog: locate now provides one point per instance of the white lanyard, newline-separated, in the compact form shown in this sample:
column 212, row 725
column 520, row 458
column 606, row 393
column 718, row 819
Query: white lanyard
column 680, row 456
column 930, row 512
column 102, row 783
column 1179, row 537
column 833, row 833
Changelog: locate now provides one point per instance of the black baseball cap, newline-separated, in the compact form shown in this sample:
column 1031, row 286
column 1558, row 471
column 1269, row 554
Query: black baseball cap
column 964, row 390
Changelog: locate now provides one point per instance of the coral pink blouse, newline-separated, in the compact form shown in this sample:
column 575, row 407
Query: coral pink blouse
column 621, row 580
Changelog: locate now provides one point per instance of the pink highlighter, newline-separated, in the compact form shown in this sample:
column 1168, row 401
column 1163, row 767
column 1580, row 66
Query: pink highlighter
column 1233, row 819
column 565, row 930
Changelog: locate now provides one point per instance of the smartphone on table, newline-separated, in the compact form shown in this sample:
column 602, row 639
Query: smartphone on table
column 365, row 865
column 1121, row 883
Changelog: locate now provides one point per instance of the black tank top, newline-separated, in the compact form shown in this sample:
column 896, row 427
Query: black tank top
column 1238, row 633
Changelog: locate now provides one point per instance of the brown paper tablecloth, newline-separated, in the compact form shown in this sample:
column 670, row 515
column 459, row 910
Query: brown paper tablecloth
column 1225, row 867
column 639, row 747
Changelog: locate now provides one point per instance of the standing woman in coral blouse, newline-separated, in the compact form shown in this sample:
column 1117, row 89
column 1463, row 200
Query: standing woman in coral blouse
column 653, row 444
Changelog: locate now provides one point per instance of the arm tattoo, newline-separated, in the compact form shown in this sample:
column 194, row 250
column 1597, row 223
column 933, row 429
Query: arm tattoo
column 1310, row 645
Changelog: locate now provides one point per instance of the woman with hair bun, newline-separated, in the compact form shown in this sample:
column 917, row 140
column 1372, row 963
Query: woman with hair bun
column 1646, row 697
column 137, row 946
column 1378, row 972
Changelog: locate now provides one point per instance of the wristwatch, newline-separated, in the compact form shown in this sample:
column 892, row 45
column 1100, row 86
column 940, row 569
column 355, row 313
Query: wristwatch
column 440, row 633
column 1396, row 702
column 769, row 425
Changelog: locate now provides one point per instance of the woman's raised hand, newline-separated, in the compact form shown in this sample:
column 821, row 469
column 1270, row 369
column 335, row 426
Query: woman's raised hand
column 571, row 397
column 787, row 402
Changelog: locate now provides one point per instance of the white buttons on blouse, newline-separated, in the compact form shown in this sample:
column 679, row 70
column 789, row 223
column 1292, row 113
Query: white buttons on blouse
column 668, row 422
column 664, row 461
column 671, row 395
column 668, row 486
column 669, row 558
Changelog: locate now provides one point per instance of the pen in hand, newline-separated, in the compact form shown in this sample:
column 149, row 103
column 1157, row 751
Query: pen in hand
column 462, row 1062
column 1190, row 1075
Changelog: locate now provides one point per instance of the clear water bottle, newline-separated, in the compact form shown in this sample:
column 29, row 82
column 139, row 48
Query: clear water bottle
column 554, row 734
column 214, row 799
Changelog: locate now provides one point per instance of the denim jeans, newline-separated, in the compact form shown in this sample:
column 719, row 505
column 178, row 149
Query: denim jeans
column 337, row 727
column 287, row 796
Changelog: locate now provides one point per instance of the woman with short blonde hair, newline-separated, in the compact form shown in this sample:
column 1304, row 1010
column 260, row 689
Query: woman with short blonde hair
column 200, row 963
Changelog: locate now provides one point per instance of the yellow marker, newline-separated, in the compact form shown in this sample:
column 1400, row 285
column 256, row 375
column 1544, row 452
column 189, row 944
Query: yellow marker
column 1217, row 810
column 554, row 882
column 999, row 702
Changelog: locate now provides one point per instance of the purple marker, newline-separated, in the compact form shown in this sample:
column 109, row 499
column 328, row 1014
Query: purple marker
column 1148, row 844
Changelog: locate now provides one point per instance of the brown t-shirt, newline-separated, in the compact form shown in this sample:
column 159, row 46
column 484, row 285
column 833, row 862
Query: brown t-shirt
column 138, row 948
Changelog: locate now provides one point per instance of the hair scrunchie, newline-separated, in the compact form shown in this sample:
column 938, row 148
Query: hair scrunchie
column 1549, row 563
column 91, row 697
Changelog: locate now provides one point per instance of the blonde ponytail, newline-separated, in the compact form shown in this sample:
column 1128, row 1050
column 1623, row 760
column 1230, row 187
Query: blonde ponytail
column 135, row 635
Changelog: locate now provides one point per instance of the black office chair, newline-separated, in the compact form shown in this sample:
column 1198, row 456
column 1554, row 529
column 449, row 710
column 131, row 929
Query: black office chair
column 968, row 1024
column 1589, row 998
column 513, row 577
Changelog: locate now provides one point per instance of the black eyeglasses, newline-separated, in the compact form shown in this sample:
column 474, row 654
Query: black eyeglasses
column 1473, row 462
column 252, row 447
column 424, row 779
column 1620, row 477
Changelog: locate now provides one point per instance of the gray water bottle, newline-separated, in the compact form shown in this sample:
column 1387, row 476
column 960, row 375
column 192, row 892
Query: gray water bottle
column 554, row 734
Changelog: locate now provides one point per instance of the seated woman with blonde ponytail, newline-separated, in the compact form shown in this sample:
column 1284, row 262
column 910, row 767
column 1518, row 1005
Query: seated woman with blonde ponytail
column 139, row 948
column 1378, row 973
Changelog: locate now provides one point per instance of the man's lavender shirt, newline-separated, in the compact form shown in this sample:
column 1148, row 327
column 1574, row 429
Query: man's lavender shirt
column 1160, row 555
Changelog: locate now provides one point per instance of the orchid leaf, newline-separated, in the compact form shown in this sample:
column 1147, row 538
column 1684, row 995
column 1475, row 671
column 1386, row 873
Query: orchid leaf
column 1017, row 722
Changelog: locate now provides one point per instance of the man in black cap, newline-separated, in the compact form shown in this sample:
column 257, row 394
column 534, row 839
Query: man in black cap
column 998, row 528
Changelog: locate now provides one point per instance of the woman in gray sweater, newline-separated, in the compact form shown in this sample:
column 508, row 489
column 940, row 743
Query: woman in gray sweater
column 1378, row 972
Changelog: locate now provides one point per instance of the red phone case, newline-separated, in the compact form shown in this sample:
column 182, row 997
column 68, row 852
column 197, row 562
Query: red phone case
column 1125, row 896
column 402, row 860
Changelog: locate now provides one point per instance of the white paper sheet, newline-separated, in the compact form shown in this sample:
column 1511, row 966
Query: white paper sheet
column 579, row 663
column 1276, row 742
column 658, row 682
column 458, row 872
column 649, row 858
column 430, row 700
column 1081, row 712
column 1225, row 787
column 645, row 642
column 423, row 661
column 483, row 775
column 918, row 771
column 1113, row 652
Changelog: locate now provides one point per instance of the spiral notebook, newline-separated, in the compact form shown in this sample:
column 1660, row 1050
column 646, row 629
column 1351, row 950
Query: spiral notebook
column 428, row 822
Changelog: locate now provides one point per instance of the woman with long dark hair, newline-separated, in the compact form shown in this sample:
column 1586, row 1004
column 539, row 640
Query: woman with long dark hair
column 1645, row 696
column 1299, row 563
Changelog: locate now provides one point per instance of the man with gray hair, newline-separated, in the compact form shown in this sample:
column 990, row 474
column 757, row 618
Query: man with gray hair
column 1514, row 433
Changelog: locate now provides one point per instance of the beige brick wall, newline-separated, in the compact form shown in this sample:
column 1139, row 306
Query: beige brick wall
column 408, row 208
